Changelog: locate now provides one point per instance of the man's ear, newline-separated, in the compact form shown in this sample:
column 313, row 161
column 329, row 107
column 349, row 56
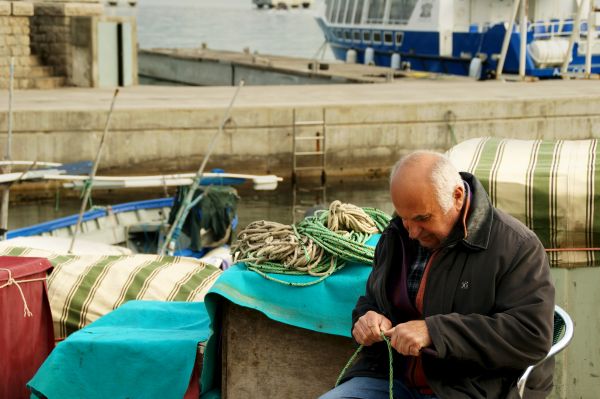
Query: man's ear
column 459, row 197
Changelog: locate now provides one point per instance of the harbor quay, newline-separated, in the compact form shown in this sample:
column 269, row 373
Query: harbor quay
column 366, row 127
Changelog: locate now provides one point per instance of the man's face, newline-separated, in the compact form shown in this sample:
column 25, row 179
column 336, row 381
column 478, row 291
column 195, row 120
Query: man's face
column 421, row 214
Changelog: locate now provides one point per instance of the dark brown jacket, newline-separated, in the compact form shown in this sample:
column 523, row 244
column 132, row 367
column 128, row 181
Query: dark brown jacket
column 488, row 305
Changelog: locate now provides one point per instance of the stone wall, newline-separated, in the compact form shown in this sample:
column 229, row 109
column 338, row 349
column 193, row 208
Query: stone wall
column 56, row 37
column 65, row 36
column 14, row 41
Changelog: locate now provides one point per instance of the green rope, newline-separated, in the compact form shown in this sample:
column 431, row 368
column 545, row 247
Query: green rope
column 268, row 247
column 87, row 184
column 310, row 246
column 391, row 365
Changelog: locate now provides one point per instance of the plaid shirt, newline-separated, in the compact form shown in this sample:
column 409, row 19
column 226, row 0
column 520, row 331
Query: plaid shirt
column 416, row 272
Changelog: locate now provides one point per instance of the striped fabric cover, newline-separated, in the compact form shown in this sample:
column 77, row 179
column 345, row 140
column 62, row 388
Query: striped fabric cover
column 83, row 288
column 550, row 186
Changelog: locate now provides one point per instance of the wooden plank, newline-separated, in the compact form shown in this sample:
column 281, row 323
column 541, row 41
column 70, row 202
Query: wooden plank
column 265, row 359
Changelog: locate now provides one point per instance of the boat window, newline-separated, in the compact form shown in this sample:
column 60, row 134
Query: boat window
column 347, row 35
column 356, row 34
column 399, row 38
column 349, row 12
column 376, row 9
column 387, row 38
column 366, row 36
column 377, row 37
column 401, row 10
column 359, row 11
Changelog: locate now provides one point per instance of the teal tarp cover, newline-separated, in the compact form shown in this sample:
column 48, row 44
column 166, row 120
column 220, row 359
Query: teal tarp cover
column 325, row 307
column 143, row 349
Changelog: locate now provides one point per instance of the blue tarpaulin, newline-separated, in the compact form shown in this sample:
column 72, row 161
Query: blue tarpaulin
column 325, row 307
column 143, row 349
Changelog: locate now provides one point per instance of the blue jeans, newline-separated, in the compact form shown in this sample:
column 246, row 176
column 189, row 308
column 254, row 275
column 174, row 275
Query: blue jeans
column 373, row 388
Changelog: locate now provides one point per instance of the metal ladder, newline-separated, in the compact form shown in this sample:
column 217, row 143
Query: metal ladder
column 308, row 155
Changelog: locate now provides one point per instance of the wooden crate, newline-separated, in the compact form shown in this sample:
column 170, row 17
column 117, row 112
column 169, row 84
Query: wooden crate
column 266, row 359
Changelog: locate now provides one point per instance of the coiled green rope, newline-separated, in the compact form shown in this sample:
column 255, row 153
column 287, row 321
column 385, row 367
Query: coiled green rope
column 318, row 246
column 391, row 365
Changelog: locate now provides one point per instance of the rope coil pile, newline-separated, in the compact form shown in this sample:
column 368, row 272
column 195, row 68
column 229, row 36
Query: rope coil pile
column 318, row 246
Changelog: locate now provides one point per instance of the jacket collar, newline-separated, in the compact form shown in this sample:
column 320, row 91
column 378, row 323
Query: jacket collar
column 480, row 217
column 478, row 222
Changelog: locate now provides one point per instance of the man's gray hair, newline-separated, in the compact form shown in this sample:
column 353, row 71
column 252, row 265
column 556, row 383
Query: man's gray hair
column 444, row 176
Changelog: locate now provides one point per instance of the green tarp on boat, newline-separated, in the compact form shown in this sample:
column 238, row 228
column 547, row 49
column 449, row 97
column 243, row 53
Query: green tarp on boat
column 144, row 349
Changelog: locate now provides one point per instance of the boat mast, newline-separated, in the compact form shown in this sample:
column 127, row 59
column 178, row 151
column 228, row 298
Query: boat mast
column 90, row 181
column 168, row 246
column 8, row 154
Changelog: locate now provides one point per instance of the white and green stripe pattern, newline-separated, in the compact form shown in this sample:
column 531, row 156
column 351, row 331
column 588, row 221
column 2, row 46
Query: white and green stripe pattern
column 551, row 186
column 83, row 288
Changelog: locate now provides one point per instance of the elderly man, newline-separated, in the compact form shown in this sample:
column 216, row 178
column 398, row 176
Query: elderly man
column 462, row 290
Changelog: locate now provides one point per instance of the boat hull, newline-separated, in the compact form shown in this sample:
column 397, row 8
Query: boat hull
column 420, row 50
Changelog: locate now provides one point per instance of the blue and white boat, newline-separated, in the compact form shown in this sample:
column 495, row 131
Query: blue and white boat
column 465, row 37
column 140, row 226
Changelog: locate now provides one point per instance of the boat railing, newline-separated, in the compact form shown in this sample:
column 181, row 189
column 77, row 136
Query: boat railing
column 556, row 28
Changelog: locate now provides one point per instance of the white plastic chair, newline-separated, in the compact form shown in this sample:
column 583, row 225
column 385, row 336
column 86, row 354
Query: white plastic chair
column 563, row 333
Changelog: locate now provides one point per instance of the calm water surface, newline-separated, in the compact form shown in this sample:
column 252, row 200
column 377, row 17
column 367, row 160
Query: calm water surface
column 228, row 25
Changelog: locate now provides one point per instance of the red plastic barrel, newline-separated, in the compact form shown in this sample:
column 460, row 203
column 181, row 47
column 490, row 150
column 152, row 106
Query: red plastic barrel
column 26, row 332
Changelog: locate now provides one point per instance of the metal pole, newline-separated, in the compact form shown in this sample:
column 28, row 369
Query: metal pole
column 183, row 209
column 523, row 34
column 90, row 182
column 574, row 35
column 591, row 32
column 506, row 41
column 8, row 154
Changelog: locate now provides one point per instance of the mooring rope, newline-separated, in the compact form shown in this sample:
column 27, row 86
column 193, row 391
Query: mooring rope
column 11, row 281
column 318, row 246
column 390, row 359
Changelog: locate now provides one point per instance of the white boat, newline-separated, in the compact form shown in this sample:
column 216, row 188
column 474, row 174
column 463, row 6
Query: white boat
column 140, row 226
column 284, row 4
column 54, row 171
column 465, row 37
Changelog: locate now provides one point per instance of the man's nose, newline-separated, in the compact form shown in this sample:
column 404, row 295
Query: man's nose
column 413, row 230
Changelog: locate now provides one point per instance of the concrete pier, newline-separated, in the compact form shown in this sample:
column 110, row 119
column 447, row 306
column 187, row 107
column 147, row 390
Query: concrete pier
column 207, row 67
column 367, row 126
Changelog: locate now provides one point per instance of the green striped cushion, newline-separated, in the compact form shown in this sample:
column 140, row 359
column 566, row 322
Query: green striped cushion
column 550, row 186
column 83, row 288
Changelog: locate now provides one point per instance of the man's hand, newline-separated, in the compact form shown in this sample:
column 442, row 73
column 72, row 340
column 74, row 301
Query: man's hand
column 367, row 329
column 408, row 338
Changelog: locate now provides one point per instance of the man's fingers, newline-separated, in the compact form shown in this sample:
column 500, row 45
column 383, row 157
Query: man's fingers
column 385, row 325
column 374, row 329
column 361, row 334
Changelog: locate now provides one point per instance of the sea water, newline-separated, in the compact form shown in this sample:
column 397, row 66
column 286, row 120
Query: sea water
column 227, row 25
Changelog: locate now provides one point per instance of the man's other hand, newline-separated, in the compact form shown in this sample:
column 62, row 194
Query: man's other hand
column 367, row 329
column 409, row 338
